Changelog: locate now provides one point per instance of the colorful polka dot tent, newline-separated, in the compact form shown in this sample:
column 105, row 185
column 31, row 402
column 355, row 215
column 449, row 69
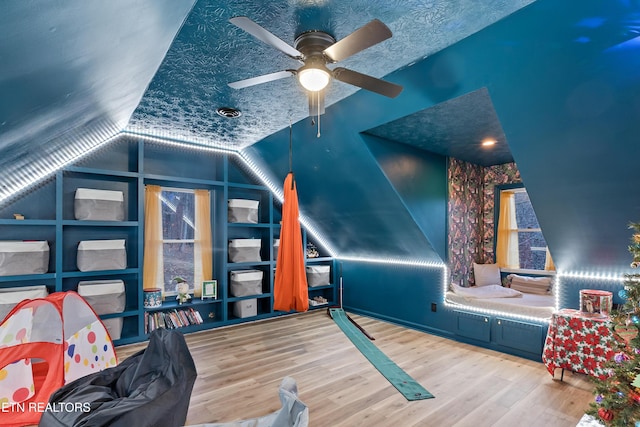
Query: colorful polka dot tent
column 46, row 343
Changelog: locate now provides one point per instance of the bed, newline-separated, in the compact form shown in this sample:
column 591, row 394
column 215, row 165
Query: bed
column 498, row 298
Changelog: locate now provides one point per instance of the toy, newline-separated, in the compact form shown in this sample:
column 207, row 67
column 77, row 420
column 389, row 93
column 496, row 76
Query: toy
column 182, row 288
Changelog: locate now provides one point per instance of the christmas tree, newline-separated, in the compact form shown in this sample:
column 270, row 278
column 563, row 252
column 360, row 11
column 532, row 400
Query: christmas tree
column 617, row 401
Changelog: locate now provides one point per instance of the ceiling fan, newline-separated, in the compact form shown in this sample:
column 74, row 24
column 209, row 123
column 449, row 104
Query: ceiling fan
column 315, row 49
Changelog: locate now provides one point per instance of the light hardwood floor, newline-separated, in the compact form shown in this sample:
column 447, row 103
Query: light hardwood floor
column 240, row 369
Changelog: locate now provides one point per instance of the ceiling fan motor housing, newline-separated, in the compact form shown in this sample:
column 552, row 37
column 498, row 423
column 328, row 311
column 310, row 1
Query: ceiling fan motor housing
column 311, row 44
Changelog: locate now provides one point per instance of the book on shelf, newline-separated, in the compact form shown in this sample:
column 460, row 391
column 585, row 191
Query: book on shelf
column 171, row 319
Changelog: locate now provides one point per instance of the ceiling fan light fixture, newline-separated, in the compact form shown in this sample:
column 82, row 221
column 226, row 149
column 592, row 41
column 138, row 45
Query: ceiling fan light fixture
column 313, row 79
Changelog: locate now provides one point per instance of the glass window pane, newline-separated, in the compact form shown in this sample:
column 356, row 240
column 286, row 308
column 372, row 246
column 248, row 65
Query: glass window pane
column 178, row 261
column 532, row 250
column 525, row 216
column 532, row 247
column 178, row 215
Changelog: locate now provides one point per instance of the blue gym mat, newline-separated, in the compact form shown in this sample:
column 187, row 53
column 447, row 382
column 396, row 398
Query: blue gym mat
column 392, row 372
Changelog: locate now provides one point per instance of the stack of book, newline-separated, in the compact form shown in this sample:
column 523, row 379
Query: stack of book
column 172, row 319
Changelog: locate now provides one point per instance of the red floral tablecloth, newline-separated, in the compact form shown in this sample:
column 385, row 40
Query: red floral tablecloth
column 579, row 342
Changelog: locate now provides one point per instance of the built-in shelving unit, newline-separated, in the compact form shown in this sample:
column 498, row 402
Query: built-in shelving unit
column 127, row 165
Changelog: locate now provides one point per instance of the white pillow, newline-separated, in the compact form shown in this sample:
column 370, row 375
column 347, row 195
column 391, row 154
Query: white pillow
column 487, row 274
column 488, row 291
column 531, row 285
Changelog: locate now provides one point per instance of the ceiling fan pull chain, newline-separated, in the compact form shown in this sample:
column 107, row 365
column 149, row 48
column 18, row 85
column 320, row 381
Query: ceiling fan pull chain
column 290, row 147
column 318, row 135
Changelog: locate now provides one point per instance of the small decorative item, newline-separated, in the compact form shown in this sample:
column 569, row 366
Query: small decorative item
column 210, row 289
column 312, row 251
column 596, row 302
column 182, row 288
column 605, row 414
column 626, row 333
column 152, row 298
column 18, row 216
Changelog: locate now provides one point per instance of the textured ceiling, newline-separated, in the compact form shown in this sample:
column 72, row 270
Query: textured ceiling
column 210, row 52
column 454, row 128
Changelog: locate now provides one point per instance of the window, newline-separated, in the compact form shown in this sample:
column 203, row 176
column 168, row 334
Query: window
column 519, row 240
column 178, row 231
column 177, row 238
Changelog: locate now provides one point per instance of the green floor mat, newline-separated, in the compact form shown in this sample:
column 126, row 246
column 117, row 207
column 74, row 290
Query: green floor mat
column 392, row 372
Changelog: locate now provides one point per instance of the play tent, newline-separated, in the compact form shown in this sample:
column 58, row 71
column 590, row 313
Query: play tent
column 44, row 344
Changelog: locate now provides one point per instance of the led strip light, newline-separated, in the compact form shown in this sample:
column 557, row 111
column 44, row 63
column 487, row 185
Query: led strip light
column 180, row 143
column 40, row 169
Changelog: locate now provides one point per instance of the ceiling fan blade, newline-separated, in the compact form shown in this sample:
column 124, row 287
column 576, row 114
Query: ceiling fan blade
column 367, row 82
column 261, row 34
column 261, row 79
column 372, row 33
column 316, row 103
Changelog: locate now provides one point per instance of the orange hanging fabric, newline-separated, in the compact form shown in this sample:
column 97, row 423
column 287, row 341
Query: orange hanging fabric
column 290, row 290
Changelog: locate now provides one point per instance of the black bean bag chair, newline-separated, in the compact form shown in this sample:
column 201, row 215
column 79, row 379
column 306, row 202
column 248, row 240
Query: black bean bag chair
column 150, row 388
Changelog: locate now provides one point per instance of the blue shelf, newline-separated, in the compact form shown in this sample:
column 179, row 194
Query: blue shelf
column 20, row 222
column 126, row 313
column 247, row 186
column 25, row 277
column 317, row 288
column 244, row 225
column 170, row 305
column 166, row 178
column 101, row 273
column 240, row 265
column 106, row 173
column 88, row 223
column 319, row 259
column 257, row 296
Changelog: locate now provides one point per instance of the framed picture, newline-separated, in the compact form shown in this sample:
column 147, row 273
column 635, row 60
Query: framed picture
column 210, row 289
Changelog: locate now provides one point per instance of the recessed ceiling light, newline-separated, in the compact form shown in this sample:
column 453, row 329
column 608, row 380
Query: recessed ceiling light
column 488, row 142
column 228, row 112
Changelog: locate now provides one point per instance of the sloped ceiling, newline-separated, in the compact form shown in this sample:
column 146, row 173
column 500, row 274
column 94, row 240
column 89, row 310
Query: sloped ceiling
column 452, row 128
column 71, row 74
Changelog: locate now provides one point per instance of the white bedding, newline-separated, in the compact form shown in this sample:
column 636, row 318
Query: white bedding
column 531, row 305
column 488, row 291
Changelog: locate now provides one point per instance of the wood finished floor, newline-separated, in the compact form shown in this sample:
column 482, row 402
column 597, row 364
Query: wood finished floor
column 240, row 369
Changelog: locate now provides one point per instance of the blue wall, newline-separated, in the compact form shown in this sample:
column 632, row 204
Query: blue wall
column 397, row 293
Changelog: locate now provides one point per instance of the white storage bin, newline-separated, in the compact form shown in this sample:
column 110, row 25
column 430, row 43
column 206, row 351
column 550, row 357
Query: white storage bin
column 114, row 326
column 18, row 257
column 99, row 205
column 318, row 275
column 104, row 296
column 244, row 250
column 95, row 255
column 246, row 282
column 10, row 297
column 245, row 211
column 245, row 308
column 276, row 247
